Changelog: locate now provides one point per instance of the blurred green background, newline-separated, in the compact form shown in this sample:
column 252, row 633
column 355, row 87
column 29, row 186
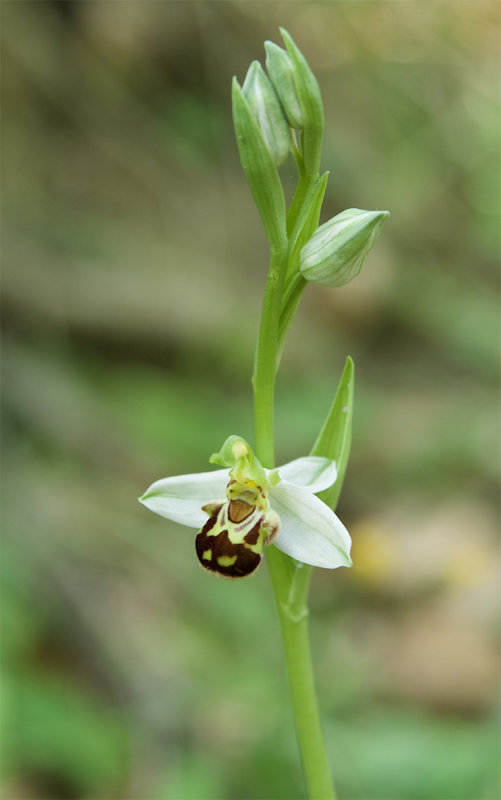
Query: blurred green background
column 134, row 267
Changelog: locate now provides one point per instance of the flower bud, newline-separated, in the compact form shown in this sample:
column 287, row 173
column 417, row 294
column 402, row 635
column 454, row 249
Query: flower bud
column 281, row 71
column 309, row 99
column 337, row 250
column 267, row 111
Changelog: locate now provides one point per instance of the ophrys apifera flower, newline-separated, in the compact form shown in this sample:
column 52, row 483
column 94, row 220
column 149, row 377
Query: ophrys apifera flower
column 248, row 507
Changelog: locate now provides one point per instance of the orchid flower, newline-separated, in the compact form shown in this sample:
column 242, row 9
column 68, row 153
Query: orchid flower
column 248, row 507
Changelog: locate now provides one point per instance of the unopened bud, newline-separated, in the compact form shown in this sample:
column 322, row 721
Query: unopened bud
column 281, row 71
column 310, row 103
column 337, row 250
column 267, row 111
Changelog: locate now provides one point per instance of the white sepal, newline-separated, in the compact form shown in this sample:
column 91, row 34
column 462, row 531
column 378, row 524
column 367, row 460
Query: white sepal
column 312, row 472
column 309, row 531
column 181, row 498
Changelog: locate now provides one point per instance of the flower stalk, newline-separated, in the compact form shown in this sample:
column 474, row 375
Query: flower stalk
column 248, row 508
column 265, row 362
column 290, row 580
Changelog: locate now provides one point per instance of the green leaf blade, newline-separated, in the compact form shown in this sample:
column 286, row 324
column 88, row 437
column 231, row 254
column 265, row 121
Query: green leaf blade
column 334, row 439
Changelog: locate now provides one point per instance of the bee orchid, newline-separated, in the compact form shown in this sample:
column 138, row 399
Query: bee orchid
column 242, row 508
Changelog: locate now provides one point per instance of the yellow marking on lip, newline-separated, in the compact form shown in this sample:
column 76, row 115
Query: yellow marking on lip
column 207, row 554
column 255, row 548
column 226, row 561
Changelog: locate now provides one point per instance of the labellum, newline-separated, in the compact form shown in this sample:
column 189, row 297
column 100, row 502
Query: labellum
column 232, row 540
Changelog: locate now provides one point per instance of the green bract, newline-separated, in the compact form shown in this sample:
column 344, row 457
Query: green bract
column 337, row 250
column 260, row 169
column 267, row 111
column 334, row 439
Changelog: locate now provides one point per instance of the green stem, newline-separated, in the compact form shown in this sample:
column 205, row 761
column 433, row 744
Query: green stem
column 290, row 582
column 263, row 378
column 304, row 185
column 291, row 594
column 289, row 309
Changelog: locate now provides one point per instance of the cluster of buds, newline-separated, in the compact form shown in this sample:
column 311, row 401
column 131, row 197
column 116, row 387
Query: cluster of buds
column 289, row 99
column 282, row 112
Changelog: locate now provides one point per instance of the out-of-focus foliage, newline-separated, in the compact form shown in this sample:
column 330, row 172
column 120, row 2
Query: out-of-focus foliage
column 134, row 267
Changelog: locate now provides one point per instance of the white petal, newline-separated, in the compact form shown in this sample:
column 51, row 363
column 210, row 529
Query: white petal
column 309, row 529
column 315, row 472
column 181, row 498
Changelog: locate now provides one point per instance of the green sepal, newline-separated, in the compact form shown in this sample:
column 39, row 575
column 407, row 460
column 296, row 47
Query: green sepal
column 334, row 440
column 310, row 102
column 259, row 169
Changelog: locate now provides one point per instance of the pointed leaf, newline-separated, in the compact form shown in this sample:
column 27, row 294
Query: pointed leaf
column 334, row 439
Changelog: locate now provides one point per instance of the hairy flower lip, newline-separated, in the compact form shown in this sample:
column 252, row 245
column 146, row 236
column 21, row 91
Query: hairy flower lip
column 309, row 531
